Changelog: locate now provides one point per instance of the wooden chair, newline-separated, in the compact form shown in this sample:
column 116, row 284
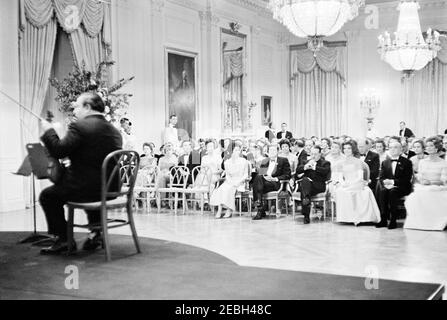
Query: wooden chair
column 201, row 186
column 118, row 175
column 275, row 196
column 178, row 178
column 246, row 193
column 146, row 187
column 320, row 197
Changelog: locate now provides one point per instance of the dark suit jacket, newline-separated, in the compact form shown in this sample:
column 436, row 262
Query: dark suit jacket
column 194, row 160
column 372, row 159
column 288, row 135
column 319, row 176
column 402, row 176
column 408, row 133
column 302, row 158
column 87, row 143
column 269, row 135
column 281, row 171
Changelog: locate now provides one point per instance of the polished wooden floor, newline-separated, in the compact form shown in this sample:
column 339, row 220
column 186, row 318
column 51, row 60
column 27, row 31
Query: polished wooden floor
column 322, row 246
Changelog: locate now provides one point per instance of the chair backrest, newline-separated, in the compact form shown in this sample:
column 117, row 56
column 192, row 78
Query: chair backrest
column 118, row 174
column 148, row 177
column 201, row 177
column 178, row 176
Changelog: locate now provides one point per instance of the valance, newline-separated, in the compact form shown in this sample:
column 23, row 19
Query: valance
column 233, row 66
column 69, row 13
column 328, row 59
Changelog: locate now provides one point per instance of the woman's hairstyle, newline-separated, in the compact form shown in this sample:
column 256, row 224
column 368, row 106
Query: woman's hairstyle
column 338, row 143
column 209, row 141
column 382, row 142
column 421, row 142
column 354, row 148
column 328, row 141
column 436, row 142
column 284, row 141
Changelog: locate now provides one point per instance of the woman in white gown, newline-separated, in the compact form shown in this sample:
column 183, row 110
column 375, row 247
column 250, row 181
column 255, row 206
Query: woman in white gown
column 213, row 161
column 427, row 205
column 236, row 173
column 354, row 200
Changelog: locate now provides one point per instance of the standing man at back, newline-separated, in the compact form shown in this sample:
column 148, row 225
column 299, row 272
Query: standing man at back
column 284, row 134
column 87, row 143
column 405, row 132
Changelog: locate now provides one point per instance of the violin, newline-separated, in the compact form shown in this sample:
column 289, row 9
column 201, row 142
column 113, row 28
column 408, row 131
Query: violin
column 55, row 168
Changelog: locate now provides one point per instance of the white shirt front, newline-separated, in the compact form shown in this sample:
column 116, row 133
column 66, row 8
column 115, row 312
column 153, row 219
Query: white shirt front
column 272, row 165
column 394, row 165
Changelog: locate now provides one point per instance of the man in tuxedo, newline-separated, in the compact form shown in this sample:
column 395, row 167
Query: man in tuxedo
column 300, row 152
column 372, row 159
column 190, row 159
column 404, row 131
column 88, row 141
column 394, row 183
column 270, row 134
column 271, row 171
column 284, row 134
column 314, row 174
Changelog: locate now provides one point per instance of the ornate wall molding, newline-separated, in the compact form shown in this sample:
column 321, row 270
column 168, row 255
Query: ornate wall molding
column 208, row 18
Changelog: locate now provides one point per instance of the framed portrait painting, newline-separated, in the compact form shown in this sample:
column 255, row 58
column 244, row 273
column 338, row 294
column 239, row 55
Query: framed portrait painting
column 266, row 103
column 181, row 86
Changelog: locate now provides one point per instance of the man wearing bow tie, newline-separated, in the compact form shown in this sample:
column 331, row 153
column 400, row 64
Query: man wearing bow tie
column 372, row 159
column 271, row 171
column 314, row 174
column 394, row 183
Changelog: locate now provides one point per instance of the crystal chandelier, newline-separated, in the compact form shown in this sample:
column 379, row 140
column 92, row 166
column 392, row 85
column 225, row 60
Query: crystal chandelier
column 314, row 19
column 409, row 51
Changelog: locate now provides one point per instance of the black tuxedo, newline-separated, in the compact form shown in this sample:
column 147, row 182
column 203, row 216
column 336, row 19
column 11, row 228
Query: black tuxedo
column 302, row 158
column 269, row 135
column 87, row 143
column 288, row 135
column 407, row 133
column 194, row 160
column 261, row 186
column 389, row 198
column 312, row 182
column 372, row 159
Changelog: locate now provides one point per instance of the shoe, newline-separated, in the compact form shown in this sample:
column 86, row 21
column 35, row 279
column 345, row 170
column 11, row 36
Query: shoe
column 228, row 215
column 381, row 224
column 93, row 241
column 306, row 220
column 257, row 217
column 59, row 247
column 392, row 225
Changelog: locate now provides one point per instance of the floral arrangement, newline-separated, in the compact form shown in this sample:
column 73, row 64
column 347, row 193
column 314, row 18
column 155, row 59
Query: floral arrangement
column 82, row 80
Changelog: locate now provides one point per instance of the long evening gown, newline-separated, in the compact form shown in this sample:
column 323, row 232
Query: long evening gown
column 354, row 200
column 427, row 205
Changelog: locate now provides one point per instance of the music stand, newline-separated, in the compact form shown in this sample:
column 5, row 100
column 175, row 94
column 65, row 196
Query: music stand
column 35, row 165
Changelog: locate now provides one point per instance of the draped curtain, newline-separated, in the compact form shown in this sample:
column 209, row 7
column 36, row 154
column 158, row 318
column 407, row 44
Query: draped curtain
column 318, row 91
column 83, row 20
column 36, row 57
column 233, row 72
column 425, row 97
